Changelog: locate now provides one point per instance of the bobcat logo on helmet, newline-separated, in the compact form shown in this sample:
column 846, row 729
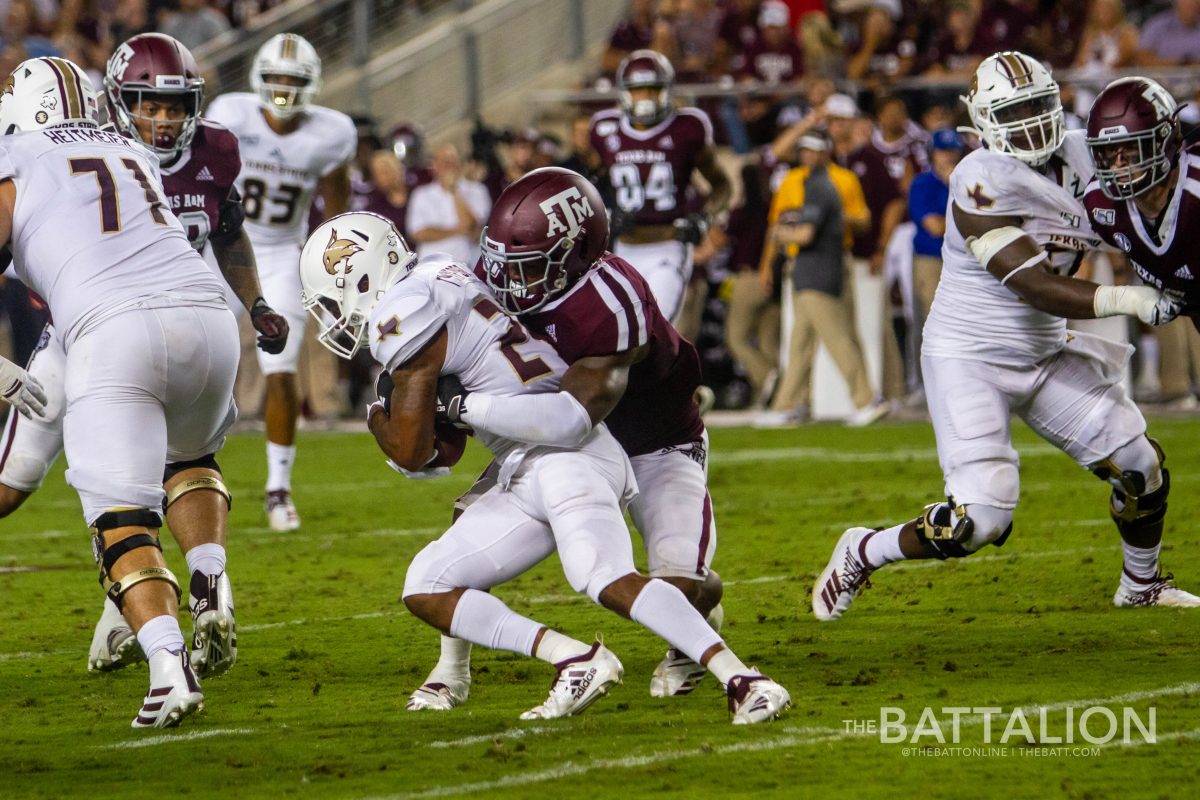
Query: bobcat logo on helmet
column 8, row 85
column 572, row 206
column 337, row 251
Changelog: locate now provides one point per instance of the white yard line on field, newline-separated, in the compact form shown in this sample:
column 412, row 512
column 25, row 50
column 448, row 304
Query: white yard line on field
column 180, row 737
column 511, row 733
column 266, row 626
column 1194, row 733
column 798, row 737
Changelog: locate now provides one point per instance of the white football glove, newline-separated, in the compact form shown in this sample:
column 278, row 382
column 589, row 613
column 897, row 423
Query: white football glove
column 21, row 390
column 1144, row 302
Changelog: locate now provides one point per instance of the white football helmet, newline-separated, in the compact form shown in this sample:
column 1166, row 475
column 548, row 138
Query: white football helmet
column 1015, row 107
column 347, row 264
column 45, row 93
column 288, row 55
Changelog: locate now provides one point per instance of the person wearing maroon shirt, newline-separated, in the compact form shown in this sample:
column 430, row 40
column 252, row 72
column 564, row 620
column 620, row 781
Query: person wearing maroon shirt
column 199, row 161
column 1145, row 196
column 773, row 56
column 649, row 151
column 629, row 369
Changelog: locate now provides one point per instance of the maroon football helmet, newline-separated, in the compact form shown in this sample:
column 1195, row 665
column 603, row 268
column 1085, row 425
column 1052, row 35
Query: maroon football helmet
column 1133, row 135
column 645, row 68
column 155, row 66
column 544, row 232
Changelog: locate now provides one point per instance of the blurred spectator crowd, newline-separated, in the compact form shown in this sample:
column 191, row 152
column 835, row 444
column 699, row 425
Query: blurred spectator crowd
column 878, row 79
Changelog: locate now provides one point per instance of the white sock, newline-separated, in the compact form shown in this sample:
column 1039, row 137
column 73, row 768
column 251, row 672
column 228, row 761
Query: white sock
column 554, row 648
column 207, row 559
column 485, row 620
column 455, row 660
column 1141, row 563
column 883, row 547
column 664, row 610
column 280, row 458
column 724, row 665
column 160, row 633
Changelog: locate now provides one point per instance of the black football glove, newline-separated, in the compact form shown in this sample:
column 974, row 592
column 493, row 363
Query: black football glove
column 383, row 389
column 452, row 401
column 272, row 327
column 691, row 229
column 619, row 221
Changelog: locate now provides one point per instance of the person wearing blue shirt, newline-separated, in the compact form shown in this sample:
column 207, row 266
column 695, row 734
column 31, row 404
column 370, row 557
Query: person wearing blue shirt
column 927, row 199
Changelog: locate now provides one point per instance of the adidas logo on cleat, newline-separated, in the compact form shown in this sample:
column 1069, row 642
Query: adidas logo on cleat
column 580, row 685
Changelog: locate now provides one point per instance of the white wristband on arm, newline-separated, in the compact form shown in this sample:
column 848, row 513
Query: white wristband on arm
column 554, row 418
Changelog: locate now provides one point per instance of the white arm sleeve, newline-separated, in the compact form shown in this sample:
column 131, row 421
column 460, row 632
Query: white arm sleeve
column 554, row 419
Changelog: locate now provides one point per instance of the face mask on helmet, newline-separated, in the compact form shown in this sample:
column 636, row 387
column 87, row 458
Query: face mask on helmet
column 525, row 281
column 1015, row 107
column 166, row 123
column 286, row 75
column 1128, row 166
column 644, row 87
column 1133, row 136
column 346, row 265
column 1030, row 128
column 643, row 109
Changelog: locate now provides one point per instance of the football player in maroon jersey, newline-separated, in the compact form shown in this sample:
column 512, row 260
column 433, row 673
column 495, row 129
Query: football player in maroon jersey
column 1147, row 184
column 629, row 369
column 648, row 152
column 1143, row 199
column 155, row 92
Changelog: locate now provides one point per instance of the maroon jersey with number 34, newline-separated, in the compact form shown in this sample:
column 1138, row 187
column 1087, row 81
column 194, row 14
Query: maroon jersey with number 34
column 650, row 170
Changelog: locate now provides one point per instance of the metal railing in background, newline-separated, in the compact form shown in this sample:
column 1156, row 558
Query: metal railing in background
column 1182, row 82
column 435, row 62
column 448, row 73
column 344, row 32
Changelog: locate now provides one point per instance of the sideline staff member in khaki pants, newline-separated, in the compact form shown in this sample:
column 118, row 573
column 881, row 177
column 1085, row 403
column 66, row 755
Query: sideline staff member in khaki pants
column 813, row 235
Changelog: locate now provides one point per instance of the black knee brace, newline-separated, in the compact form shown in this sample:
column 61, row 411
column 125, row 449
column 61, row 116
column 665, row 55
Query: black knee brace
column 107, row 556
column 935, row 528
column 1136, row 512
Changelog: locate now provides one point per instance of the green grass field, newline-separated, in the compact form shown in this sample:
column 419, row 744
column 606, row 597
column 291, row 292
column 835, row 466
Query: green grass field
column 315, row 705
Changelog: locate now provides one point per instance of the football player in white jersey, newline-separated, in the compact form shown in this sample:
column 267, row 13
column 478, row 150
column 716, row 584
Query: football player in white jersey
column 996, row 343
column 155, row 92
column 434, row 319
column 291, row 149
column 150, row 363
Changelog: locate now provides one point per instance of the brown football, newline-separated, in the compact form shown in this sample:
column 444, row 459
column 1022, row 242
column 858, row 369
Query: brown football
column 449, row 442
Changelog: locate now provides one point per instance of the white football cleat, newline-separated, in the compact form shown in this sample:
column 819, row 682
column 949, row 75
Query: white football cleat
column 1160, row 591
column 281, row 511
column 214, row 631
column 114, row 644
column 439, row 695
column 580, row 681
column 676, row 675
column 756, row 698
column 174, row 691
column 844, row 577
